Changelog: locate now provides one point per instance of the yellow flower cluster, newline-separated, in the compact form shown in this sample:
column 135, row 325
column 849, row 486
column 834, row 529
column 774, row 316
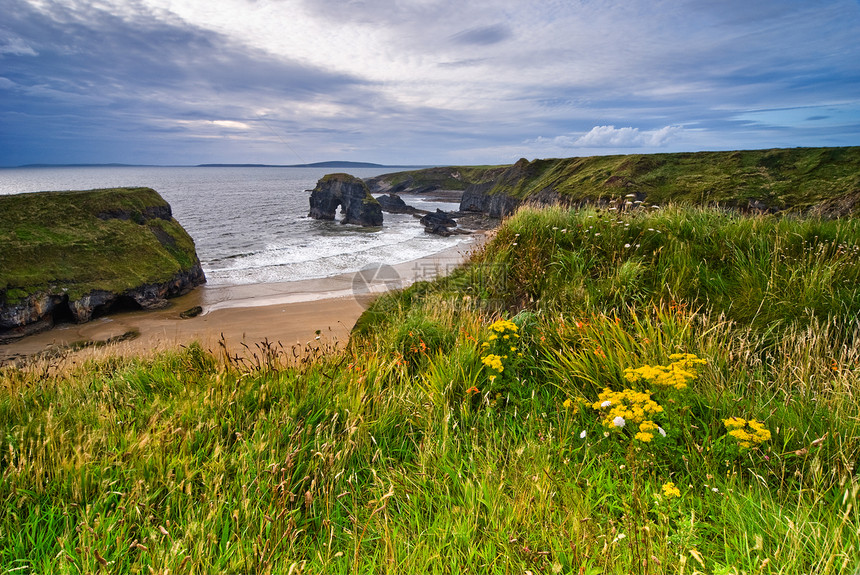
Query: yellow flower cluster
column 749, row 434
column 628, row 406
column 502, row 340
column 676, row 375
column 494, row 362
column 646, row 431
column 503, row 325
column 670, row 491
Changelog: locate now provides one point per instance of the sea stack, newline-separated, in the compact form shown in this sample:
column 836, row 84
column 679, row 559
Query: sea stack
column 351, row 194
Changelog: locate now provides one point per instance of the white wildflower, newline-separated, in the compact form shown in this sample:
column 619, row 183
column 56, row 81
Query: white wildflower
column 618, row 421
column 582, row 434
column 606, row 403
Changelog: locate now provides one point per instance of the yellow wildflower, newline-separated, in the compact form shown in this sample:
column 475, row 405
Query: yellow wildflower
column 670, row 491
column 630, row 405
column 493, row 362
column 676, row 375
column 734, row 422
column 749, row 434
column 503, row 325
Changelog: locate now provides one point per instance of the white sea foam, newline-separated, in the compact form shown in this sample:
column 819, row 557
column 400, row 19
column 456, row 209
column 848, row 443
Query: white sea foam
column 250, row 225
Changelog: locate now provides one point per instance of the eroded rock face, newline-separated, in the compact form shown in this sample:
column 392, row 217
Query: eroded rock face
column 351, row 194
column 477, row 198
column 40, row 311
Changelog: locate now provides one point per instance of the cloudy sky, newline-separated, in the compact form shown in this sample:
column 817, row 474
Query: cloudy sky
column 420, row 81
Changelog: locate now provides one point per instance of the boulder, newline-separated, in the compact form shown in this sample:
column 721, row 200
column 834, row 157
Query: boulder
column 394, row 204
column 439, row 223
column 351, row 194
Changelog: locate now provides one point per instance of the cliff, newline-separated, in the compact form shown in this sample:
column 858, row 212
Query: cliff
column 351, row 194
column 817, row 181
column 432, row 179
column 72, row 256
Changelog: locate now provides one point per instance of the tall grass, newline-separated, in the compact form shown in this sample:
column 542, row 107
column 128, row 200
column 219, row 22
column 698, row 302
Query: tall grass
column 402, row 454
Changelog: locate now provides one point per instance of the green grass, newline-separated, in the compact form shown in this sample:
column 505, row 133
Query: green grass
column 797, row 179
column 445, row 178
column 56, row 240
column 402, row 454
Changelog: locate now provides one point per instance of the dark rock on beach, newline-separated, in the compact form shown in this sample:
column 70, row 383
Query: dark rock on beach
column 191, row 312
column 439, row 222
column 351, row 194
column 394, row 204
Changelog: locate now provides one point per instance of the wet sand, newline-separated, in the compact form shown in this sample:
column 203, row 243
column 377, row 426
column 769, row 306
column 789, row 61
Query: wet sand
column 287, row 313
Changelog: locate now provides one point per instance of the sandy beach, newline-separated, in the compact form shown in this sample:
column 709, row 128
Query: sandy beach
column 320, row 311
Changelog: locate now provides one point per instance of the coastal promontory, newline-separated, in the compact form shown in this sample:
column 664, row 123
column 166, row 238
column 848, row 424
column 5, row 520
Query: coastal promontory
column 72, row 256
column 357, row 205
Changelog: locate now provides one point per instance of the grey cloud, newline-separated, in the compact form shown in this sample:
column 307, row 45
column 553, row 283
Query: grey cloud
column 465, row 63
column 483, row 36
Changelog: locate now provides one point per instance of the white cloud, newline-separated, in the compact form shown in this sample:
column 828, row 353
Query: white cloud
column 14, row 45
column 612, row 137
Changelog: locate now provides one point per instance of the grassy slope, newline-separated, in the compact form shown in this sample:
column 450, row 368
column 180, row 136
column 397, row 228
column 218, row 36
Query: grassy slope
column 797, row 177
column 781, row 178
column 406, row 453
column 445, row 178
column 57, row 239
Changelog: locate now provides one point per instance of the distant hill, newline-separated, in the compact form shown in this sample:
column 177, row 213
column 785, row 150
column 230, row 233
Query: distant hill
column 112, row 165
column 333, row 164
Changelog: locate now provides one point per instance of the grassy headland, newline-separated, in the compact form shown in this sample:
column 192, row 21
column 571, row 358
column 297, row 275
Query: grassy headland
column 647, row 392
column 112, row 239
column 822, row 180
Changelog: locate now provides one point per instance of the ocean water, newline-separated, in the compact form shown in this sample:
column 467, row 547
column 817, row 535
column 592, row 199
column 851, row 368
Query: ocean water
column 250, row 225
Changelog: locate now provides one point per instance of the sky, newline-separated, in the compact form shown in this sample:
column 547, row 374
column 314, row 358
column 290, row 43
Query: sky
column 399, row 82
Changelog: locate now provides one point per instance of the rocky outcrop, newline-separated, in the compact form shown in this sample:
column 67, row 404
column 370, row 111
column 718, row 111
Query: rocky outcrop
column 394, row 204
column 42, row 311
column 477, row 198
column 351, row 194
column 109, row 250
column 439, row 222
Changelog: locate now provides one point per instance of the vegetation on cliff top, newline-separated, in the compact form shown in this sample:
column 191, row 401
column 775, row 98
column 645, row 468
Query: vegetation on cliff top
column 443, row 178
column 648, row 392
column 796, row 178
column 80, row 241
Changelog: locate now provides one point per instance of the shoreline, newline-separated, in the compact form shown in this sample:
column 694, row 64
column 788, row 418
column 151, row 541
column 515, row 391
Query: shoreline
column 316, row 311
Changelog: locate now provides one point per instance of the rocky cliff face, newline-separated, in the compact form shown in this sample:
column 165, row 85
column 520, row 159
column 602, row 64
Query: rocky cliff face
column 108, row 250
column 351, row 194
column 817, row 181
column 477, row 198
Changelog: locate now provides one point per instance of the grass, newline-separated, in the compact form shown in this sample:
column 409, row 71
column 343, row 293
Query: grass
column 407, row 452
column 825, row 180
column 103, row 240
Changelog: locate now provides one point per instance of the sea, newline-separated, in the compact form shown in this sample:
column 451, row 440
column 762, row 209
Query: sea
column 250, row 225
